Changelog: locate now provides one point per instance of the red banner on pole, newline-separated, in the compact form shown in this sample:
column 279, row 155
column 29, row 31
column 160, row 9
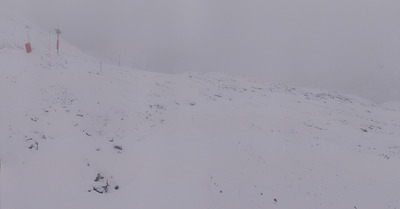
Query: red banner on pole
column 28, row 47
column 58, row 44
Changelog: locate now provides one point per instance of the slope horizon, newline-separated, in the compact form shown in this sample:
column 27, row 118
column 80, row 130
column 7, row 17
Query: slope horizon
column 307, row 46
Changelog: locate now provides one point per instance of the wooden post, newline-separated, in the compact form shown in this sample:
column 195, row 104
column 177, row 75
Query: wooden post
column 58, row 31
column 58, row 44
column 49, row 42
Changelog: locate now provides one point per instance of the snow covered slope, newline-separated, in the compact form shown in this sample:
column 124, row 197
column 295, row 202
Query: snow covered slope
column 74, row 135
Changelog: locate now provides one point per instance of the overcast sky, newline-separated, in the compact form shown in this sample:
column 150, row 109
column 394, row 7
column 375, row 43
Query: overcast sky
column 346, row 46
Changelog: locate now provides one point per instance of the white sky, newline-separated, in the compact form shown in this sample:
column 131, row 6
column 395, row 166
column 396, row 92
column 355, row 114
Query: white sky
column 347, row 46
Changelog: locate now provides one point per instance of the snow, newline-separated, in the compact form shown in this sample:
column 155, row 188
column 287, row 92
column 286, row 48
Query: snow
column 69, row 127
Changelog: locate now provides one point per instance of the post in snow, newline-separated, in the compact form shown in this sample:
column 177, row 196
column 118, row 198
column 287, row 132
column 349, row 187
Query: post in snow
column 49, row 42
column 58, row 32
column 28, row 45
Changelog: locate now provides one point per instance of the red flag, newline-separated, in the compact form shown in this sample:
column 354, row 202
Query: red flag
column 28, row 47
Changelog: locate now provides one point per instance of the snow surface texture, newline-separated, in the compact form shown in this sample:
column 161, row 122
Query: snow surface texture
column 74, row 135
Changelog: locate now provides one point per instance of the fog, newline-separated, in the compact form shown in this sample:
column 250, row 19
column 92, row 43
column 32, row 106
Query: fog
column 346, row 46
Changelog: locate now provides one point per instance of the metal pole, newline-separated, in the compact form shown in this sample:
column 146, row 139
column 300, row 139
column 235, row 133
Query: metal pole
column 58, row 42
column 49, row 48
column 58, row 31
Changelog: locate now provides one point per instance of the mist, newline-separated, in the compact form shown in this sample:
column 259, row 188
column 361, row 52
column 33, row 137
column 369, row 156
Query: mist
column 351, row 47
